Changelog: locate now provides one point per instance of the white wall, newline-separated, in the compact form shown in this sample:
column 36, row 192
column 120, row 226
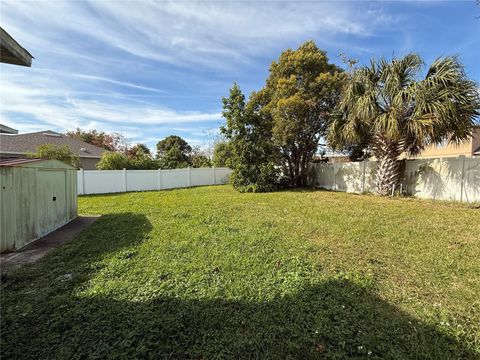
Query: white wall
column 441, row 179
column 114, row 181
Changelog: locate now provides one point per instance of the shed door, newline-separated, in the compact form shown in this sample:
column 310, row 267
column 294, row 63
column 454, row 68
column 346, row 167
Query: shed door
column 52, row 201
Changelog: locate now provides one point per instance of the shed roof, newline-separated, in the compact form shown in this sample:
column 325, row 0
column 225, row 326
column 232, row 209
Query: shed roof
column 28, row 142
column 15, row 161
column 34, row 163
column 11, row 52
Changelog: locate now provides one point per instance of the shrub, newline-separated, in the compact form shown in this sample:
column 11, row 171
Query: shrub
column 262, row 178
column 54, row 152
column 144, row 162
column 113, row 161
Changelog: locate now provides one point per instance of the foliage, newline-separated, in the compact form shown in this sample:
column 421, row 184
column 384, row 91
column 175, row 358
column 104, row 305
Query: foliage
column 198, row 159
column 138, row 151
column 113, row 161
column 143, row 162
column 281, row 125
column 173, row 152
column 174, row 158
column 267, row 178
column 302, row 91
column 54, row 152
column 173, row 141
column 140, row 158
column 389, row 107
column 357, row 152
column 223, row 155
column 112, row 142
column 248, row 136
column 208, row 273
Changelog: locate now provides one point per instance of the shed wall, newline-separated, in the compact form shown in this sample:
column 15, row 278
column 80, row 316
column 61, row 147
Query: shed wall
column 26, row 203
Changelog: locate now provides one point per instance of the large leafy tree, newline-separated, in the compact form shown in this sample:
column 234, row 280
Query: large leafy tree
column 111, row 142
column 173, row 159
column 223, row 154
column 173, row 141
column 140, row 158
column 391, row 107
column 299, row 96
column 173, row 152
column 138, row 151
column 248, row 136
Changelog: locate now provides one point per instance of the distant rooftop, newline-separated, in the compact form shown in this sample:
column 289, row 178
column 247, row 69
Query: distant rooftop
column 11, row 52
column 18, row 144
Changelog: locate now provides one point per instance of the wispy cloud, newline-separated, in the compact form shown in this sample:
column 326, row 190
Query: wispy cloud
column 53, row 108
column 150, row 68
column 116, row 82
column 205, row 33
column 97, row 60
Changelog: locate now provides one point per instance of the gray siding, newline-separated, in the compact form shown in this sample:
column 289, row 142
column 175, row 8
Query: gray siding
column 89, row 163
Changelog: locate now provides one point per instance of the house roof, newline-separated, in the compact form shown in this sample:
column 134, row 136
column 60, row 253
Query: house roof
column 11, row 52
column 29, row 142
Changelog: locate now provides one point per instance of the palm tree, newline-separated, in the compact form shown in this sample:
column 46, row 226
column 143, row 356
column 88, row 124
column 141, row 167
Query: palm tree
column 387, row 105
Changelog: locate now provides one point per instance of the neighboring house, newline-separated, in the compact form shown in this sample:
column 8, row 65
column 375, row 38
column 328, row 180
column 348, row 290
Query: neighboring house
column 469, row 148
column 18, row 145
column 328, row 155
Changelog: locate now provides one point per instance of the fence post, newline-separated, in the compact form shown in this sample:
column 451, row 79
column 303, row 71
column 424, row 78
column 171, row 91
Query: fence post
column 334, row 176
column 363, row 177
column 82, row 182
column 189, row 175
column 124, row 180
column 462, row 177
column 159, row 179
column 213, row 172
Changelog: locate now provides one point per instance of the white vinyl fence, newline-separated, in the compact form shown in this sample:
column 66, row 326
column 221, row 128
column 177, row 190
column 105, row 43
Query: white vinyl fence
column 455, row 179
column 114, row 181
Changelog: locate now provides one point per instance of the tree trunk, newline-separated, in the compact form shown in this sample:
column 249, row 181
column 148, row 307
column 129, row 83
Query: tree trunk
column 387, row 153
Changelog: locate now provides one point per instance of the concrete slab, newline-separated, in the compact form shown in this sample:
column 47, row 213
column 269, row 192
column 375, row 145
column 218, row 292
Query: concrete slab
column 39, row 248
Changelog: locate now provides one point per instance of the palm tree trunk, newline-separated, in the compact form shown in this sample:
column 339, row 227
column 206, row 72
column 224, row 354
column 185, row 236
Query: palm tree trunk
column 387, row 153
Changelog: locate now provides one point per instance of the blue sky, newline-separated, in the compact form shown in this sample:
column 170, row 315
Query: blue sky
column 151, row 69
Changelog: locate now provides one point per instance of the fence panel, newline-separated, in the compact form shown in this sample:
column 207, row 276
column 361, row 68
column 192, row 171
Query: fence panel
column 471, row 180
column 438, row 179
column 201, row 176
column 324, row 176
column 175, row 178
column 221, row 175
column 349, row 177
column 113, row 181
column 142, row 180
column 442, row 179
column 356, row 177
column 96, row 182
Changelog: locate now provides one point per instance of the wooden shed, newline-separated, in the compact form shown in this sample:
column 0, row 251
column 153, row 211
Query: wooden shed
column 37, row 197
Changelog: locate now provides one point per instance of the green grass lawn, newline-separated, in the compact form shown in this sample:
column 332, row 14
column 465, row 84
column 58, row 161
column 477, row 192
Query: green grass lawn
column 209, row 273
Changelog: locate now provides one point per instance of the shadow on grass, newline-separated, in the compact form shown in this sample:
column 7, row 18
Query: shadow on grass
column 336, row 319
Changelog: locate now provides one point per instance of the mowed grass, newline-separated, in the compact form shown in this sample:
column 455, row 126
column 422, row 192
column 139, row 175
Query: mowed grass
column 209, row 273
